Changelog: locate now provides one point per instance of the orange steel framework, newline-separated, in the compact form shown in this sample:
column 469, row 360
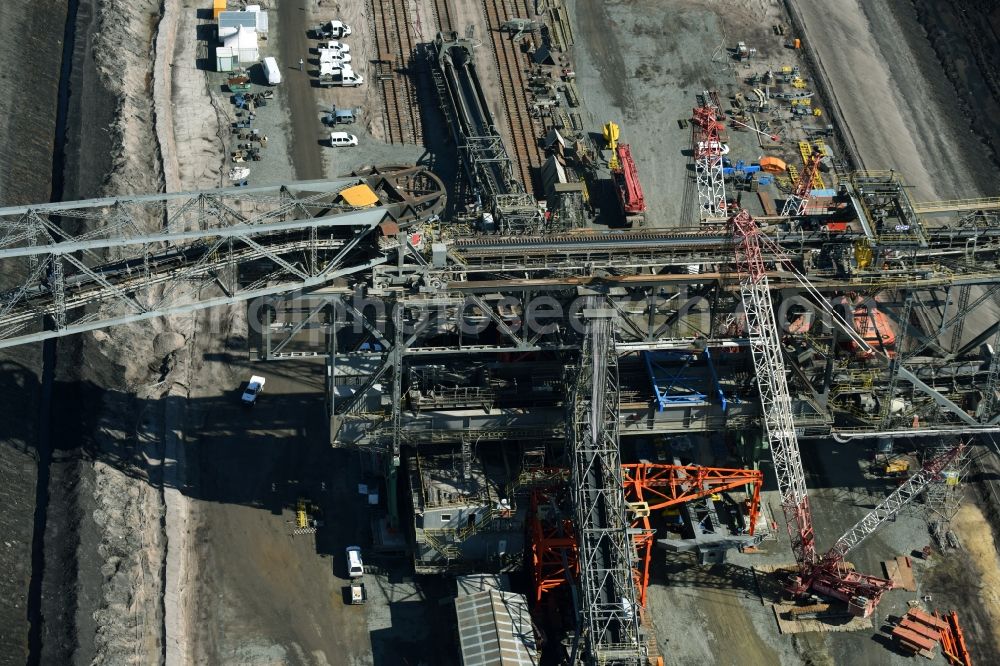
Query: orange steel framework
column 553, row 538
column 554, row 551
column 662, row 486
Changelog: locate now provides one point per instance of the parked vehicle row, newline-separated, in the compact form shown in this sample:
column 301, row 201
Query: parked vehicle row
column 336, row 69
column 335, row 56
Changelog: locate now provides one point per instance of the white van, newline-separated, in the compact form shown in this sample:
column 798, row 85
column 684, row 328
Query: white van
column 341, row 139
column 271, row 71
column 355, row 568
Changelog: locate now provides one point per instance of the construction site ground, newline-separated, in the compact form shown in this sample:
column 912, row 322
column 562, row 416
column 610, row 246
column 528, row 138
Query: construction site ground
column 275, row 597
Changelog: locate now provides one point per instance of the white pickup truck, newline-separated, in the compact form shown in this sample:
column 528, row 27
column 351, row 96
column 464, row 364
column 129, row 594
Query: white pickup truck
column 332, row 30
column 338, row 74
column 253, row 389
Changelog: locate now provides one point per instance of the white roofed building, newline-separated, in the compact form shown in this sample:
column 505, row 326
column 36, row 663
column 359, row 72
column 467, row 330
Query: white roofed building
column 243, row 41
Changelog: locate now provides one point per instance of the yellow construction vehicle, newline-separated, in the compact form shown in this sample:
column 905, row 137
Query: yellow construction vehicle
column 306, row 521
column 611, row 134
column 893, row 466
column 301, row 514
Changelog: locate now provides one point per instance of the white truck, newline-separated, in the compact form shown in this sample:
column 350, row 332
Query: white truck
column 358, row 593
column 271, row 71
column 253, row 389
column 334, row 56
column 334, row 45
column 332, row 30
column 338, row 74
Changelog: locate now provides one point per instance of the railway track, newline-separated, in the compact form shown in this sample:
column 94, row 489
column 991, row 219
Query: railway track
column 513, row 86
column 442, row 15
column 395, row 42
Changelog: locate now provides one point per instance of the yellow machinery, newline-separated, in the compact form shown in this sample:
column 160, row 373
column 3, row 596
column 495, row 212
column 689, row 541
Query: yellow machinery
column 863, row 253
column 894, row 467
column 306, row 521
column 611, row 134
column 301, row 514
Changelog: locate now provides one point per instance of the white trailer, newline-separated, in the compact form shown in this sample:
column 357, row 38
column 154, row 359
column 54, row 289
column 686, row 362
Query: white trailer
column 271, row 71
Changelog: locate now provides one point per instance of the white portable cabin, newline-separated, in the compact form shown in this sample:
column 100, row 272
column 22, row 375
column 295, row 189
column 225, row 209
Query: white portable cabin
column 226, row 59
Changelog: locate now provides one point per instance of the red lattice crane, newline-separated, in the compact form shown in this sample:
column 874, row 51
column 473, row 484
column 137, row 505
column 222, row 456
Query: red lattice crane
column 796, row 202
column 708, row 149
column 828, row 575
column 554, row 551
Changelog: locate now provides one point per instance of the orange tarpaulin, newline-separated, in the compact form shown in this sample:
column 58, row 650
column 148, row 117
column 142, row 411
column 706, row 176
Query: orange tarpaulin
column 773, row 165
column 359, row 196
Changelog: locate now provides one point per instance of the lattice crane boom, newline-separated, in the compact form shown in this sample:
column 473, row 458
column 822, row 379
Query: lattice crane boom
column 862, row 593
column 796, row 202
column 708, row 150
column 828, row 575
column 888, row 508
column 776, row 404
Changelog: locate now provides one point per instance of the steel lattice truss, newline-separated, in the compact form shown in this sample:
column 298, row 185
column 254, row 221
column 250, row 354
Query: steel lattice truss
column 102, row 262
column 797, row 200
column 775, row 400
column 888, row 508
column 489, row 170
column 609, row 614
column 707, row 146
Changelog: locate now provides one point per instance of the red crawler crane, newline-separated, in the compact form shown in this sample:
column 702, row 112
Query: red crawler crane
column 627, row 185
column 708, row 148
column 828, row 575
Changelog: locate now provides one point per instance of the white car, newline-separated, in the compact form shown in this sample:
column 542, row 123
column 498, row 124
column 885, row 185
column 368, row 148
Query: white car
column 339, row 28
column 355, row 567
column 253, row 389
column 341, row 139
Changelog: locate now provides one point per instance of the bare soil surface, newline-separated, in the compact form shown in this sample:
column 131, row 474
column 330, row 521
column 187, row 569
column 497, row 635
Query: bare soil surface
column 973, row 572
column 27, row 135
column 266, row 596
column 903, row 113
column 969, row 62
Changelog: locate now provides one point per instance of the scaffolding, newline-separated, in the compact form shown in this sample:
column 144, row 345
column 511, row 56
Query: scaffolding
column 609, row 614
